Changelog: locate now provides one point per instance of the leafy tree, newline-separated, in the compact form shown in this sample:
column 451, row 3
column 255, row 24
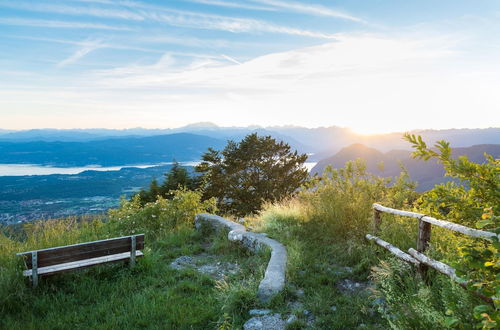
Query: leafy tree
column 247, row 174
column 177, row 178
column 475, row 202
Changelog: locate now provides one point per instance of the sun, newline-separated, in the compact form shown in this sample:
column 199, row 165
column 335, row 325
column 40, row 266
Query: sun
column 370, row 129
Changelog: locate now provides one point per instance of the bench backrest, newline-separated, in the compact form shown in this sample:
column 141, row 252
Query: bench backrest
column 82, row 251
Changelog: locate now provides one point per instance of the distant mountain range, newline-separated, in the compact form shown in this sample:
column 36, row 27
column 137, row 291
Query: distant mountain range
column 427, row 174
column 319, row 142
column 110, row 152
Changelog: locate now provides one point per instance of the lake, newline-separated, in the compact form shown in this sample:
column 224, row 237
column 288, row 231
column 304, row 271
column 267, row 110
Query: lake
column 33, row 169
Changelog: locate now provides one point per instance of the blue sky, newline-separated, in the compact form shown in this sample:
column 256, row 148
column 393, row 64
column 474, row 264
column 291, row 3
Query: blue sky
column 374, row 66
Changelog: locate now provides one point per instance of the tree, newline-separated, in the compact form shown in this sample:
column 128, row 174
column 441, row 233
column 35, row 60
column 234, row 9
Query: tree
column 247, row 174
column 177, row 178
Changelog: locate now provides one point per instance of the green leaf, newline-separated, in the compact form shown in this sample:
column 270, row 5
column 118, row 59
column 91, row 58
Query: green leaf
column 451, row 322
column 483, row 223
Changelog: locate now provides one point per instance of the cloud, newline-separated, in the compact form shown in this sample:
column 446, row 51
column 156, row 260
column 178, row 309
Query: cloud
column 349, row 56
column 367, row 82
column 228, row 4
column 58, row 24
column 73, row 10
column 85, row 49
column 312, row 9
column 138, row 11
column 230, row 59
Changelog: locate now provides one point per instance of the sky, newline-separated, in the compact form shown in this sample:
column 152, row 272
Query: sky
column 373, row 66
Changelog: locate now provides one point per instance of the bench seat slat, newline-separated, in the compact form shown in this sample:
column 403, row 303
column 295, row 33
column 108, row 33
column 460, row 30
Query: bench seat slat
column 83, row 263
column 109, row 240
column 82, row 251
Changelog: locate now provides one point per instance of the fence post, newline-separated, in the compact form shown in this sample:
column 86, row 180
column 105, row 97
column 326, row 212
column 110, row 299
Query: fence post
column 377, row 221
column 424, row 236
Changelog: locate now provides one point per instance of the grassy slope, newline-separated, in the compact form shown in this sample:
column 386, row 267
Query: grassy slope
column 316, row 264
column 152, row 295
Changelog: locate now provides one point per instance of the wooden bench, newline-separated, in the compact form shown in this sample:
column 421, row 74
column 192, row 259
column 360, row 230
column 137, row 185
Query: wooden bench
column 70, row 257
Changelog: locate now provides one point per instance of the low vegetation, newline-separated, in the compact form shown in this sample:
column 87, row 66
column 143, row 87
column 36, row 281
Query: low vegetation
column 335, row 278
column 114, row 296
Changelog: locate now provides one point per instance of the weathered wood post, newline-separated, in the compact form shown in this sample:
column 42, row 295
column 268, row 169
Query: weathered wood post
column 34, row 269
column 132, row 250
column 377, row 221
column 424, row 237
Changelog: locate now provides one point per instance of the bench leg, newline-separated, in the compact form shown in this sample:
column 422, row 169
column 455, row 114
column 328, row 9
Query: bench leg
column 34, row 269
column 132, row 251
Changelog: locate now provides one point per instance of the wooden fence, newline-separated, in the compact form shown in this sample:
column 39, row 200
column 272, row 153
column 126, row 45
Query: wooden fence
column 417, row 257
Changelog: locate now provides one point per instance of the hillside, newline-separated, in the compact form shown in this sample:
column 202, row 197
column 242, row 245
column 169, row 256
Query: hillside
column 109, row 152
column 427, row 174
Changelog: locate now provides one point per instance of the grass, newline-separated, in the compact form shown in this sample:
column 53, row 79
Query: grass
column 322, row 228
column 316, row 263
column 150, row 295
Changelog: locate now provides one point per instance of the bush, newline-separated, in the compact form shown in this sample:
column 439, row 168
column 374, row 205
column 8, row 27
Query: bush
column 341, row 200
column 163, row 216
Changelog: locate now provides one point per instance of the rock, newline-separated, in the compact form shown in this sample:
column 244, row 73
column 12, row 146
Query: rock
column 206, row 264
column 259, row 312
column 299, row 293
column 182, row 262
column 333, row 308
column 378, row 302
column 291, row 319
column 296, row 305
column 347, row 286
column 339, row 270
column 274, row 277
column 266, row 322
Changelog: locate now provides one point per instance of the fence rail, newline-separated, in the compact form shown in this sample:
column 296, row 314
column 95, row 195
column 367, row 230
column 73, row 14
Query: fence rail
column 417, row 257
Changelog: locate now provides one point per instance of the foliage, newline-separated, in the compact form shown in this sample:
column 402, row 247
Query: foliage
column 474, row 203
column 464, row 203
column 413, row 304
column 247, row 174
column 151, row 295
column 341, row 200
column 317, row 261
column 178, row 177
column 160, row 217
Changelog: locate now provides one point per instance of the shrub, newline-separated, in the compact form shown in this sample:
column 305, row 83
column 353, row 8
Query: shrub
column 341, row 200
column 160, row 217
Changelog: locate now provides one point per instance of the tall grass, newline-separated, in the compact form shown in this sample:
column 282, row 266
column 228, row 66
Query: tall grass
column 151, row 295
column 324, row 228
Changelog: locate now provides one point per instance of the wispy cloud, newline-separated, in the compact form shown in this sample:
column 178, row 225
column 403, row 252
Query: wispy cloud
column 174, row 17
column 73, row 10
column 228, row 4
column 350, row 56
column 310, row 9
column 59, row 24
column 86, row 48
column 230, row 59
